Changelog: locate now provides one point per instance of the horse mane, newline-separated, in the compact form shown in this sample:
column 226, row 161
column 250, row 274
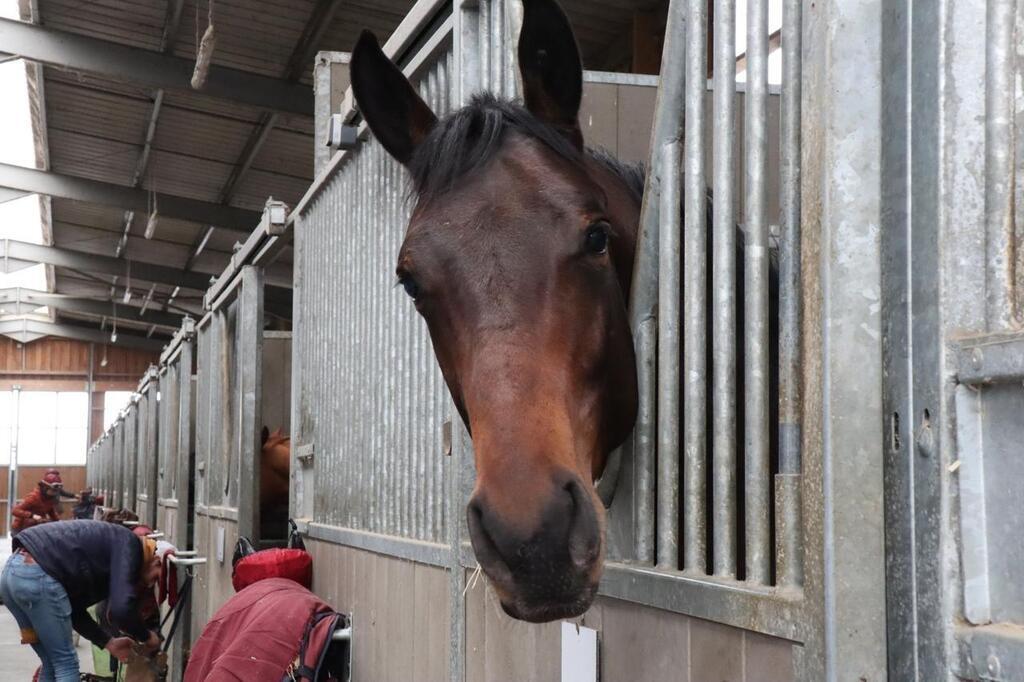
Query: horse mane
column 470, row 137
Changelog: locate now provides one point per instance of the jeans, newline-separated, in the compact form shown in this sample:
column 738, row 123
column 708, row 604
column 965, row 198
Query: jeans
column 38, row 602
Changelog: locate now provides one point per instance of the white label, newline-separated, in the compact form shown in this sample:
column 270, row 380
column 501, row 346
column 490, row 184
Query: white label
column 579, row 653
column 220, row 544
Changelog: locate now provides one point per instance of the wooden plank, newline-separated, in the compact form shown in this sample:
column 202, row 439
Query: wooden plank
column 599, row 116
column 716, row 652
column 767, row 659
column 642, row 644
column 476, row 628
column 432, row 619
column 403, row 627
column 634, row 129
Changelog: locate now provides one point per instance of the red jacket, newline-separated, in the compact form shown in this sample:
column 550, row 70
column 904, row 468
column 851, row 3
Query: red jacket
column 35, row 503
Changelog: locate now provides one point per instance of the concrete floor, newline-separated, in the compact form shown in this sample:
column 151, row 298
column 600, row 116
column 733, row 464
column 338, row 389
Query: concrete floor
column 18, row 661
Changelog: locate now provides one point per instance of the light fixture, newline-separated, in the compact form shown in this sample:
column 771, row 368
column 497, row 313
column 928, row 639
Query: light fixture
column 205, row 53
column 103, row 360
column 154, row 218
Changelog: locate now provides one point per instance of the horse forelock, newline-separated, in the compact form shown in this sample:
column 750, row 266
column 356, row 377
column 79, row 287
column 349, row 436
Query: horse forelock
column 466, row 140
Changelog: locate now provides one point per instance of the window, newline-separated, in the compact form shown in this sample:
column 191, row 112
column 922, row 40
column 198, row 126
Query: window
column 52, row 427
column 113, row 403
column 6, row 426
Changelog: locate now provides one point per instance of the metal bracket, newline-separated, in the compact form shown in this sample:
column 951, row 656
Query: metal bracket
column 340, row 135
column 304, row 453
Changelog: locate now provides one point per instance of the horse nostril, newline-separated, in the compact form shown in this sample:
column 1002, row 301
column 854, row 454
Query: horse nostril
column 484, row 545
column 584, row 531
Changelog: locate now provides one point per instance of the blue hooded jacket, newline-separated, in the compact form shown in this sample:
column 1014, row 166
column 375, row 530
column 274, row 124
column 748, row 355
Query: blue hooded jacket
column 93, row 560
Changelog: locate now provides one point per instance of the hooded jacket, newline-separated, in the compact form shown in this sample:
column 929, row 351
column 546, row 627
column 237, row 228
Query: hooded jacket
column 93, row 561
column 34, row 503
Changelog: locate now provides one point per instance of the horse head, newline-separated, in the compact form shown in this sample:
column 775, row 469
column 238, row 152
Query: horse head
column 518, row 255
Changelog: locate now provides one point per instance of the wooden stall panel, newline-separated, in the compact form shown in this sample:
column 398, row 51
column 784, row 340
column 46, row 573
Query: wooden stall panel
column 277, row 381
column 637, row 644
column 212, row 585
column 399, row 611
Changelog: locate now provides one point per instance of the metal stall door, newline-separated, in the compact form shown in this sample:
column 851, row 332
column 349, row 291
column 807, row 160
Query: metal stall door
column 953, row 282
column 131, row 455
column 228, row 386
column 177, row 464
column 117, row 463
column 148, row 466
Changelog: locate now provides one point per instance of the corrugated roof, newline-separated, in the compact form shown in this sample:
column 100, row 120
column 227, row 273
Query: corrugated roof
column 97, row 127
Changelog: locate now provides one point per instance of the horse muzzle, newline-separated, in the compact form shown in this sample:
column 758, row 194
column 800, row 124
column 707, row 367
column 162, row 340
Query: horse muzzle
column 551, row 570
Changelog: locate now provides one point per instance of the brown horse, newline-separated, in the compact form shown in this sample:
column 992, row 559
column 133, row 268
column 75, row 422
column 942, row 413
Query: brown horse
column 519, row 256
column 275, row 456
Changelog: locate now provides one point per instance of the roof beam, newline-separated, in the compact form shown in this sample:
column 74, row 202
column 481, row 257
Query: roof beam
column 23, row 253
column 108, row 194
column 28, row 330
column 87, row 306
column 148, row 69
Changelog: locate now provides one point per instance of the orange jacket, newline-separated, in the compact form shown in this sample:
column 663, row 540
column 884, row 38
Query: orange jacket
column 35, row 503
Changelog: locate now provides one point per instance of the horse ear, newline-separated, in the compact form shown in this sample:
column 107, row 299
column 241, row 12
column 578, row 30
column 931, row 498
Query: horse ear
column 396, row 114
column 264, row 435
column 551, row 68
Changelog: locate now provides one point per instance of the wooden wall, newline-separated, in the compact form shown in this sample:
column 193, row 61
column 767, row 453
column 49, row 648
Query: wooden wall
column 29, row 476
column 54, row 364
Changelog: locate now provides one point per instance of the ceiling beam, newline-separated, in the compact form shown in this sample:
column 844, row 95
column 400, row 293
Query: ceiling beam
column 24, row 254
column 148, row 69
column 10, row 194
column 28, row 330
column 24, row 298
column 119, row 196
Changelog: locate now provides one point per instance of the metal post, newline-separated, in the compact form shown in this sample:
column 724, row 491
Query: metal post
column 695, row 291
column 789, row 548
column 755, row 290
column 249, row 327
column 724, row 293
column 668, row 359
column 643, row 301
column 1000, row 67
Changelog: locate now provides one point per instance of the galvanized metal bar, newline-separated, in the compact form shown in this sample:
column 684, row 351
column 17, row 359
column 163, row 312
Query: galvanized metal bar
column 643, row 303
column 249, row 330
column 669, row 347
column 183, row 454
column 1000, row 62
column 723, row 382
column 695, row 296
column 755, row 333
column 789, row 545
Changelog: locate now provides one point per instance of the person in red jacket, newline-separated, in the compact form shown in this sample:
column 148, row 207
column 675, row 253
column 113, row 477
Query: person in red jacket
column 40, row 505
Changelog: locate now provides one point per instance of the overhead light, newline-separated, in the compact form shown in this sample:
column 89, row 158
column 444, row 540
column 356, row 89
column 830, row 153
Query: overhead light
column 154, row 220
column 204, row 54
column 127, row 295
column 113, row 336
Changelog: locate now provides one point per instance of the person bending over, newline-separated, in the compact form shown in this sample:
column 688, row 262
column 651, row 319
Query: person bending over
column 60, row 569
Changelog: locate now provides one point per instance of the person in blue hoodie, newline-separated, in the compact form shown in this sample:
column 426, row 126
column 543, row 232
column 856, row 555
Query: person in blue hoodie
column 60, row 569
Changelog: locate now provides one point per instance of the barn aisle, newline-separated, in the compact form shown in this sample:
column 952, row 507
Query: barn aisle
column 19, row 662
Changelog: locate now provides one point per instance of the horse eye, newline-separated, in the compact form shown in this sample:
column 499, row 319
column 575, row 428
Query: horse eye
column 596, row 240
column 410, row 286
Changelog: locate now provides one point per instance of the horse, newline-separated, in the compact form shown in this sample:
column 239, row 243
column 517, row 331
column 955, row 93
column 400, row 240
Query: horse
column 519, row 257
column 275, row 458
